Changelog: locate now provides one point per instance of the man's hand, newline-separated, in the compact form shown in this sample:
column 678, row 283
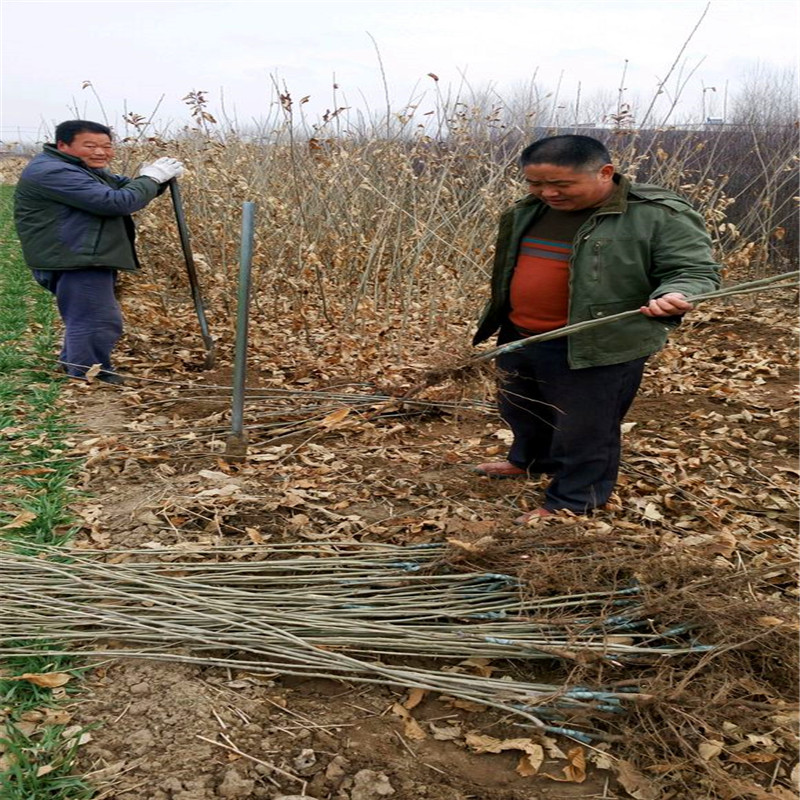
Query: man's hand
column 163, row 169
column 668, row 305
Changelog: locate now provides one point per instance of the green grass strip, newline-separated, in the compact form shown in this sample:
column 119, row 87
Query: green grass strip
column 36, row 489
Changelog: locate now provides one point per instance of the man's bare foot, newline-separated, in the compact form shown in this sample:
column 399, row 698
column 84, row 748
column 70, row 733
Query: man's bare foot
column 500, row 469
column 537, row 513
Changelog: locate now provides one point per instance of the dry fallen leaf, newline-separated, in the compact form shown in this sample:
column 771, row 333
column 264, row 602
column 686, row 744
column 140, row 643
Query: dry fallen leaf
column 724, row 545
column 663, row 769
column 758, row 739
column 634, row 783
column 483, row 666
column 7, row 761
column 25, row 728
column 779, row 793
column 445, row 733
column 254, row 535
column 412, row 727
column 598, row 755
column 490, row 744
column 334, row 418
column 754, row 758
column 47, row 680
column 228, row 490
column 471, row 547
column 20, row 521
column 56, row 716
column 414, row 698
column 575, row 770
column 93, row 372
column 651, row 512
column 770, row 622
column 529, row 763
column 752, row 791
column 464, row 705
column 710, row 749
column 552, row 748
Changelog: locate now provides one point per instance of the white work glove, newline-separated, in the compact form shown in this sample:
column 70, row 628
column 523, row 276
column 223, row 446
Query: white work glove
column 162, row 170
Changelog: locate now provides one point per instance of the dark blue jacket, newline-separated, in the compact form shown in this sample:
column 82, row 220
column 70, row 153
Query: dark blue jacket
column 70, row 216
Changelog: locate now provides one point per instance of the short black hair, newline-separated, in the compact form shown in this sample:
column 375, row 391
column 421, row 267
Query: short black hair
column 570, row 150
column 67, row 131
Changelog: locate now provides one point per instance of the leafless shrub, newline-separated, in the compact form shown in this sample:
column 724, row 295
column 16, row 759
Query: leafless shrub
column 392, row 215
column 395, row 218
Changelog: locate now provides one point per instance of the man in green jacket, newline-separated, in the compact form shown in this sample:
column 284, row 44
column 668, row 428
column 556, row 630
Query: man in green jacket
column 585, row 244
column 74, row 224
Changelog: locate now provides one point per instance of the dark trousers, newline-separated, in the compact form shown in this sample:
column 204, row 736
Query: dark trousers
column 566, row 422
column 90, row 312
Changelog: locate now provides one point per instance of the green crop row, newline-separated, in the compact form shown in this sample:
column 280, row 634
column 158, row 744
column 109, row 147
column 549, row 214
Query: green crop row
column 36, row 478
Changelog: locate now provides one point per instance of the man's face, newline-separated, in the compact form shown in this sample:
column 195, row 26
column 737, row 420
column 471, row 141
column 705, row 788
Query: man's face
column 567, row 188
column 94, row 149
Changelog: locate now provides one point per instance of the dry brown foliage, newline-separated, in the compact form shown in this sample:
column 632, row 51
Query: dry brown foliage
column 370, row 265
column 704, row 518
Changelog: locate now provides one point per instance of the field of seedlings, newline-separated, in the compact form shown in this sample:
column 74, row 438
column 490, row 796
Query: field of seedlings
column 350, row 613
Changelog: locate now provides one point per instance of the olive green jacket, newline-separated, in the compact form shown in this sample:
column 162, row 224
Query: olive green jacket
column 643, row 243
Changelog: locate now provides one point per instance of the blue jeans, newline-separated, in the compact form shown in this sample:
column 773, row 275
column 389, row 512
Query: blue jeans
column 91, row 315
column 566, row 422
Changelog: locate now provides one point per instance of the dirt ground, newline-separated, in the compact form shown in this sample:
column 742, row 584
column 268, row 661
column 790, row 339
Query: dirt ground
column 709, row 471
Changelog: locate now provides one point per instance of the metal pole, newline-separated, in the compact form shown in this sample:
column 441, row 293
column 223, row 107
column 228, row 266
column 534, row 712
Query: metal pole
column 236, row 444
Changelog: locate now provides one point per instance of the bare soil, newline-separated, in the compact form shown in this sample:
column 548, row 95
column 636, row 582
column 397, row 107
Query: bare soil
column 710, row 466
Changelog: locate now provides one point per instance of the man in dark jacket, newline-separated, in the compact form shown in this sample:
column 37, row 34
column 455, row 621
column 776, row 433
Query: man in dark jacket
column 586, row 243
column 74, row 221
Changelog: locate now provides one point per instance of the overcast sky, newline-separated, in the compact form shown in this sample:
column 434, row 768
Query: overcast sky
column 135, row 52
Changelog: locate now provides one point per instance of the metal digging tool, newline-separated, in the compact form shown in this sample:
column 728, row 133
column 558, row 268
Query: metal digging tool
column 183, row 231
